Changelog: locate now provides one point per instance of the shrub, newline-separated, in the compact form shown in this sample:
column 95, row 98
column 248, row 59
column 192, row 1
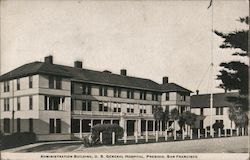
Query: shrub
column 18, row 139
column 107, row 130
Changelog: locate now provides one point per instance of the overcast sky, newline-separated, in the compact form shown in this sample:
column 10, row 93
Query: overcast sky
column 150, row 39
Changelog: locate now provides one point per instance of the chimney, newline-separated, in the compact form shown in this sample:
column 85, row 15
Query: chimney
column 123, row 72
column 48, row 59
column 197, row 92
column 78, row 64
column 164, row 80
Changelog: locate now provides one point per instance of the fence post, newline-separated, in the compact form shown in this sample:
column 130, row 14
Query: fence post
column 183, row 137
column 199, row 133
column 146, row 136
column 225, row 133
column 100, row 137
column 231, row 132
column 174, row 134
column 156, row 136
column 113, row 137
column 166, row 135
column 242, row 131
column 205, row 132
column 219, row 132
column 237, row 131
column 136, row 137
column 191, row 133
column 125, row 137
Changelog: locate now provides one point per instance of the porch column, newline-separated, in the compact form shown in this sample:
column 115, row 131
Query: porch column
column 191, row 133
column 102, row 121
column 60, row 106
column 146, row 130
column 205, row 132
column 136, row 131
column 80, row 129
column 139, row 127
column 125, row 131
column 91, row 125
column 199, row 133
column 111, row 121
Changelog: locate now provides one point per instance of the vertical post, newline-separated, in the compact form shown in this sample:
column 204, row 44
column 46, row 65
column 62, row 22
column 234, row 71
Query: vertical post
column 242, row 131
column 101, row 121
column 219, row 134
column 125, row 131
column 156, row 136
column 111, row 121
column 199, row 133
column 160, row 127
column 154, row 127
column 231, row 132
column 146, row 130
column 225, row 132
column 91, row 123
column 237, row 131
column 113, row 138
column 101, row 137
column 136, row 131
column 166, row 134
column 139, row 127
column 80, row 128
column 183, row 137
column 191, row 133
column 174, row 134
column 205, row 132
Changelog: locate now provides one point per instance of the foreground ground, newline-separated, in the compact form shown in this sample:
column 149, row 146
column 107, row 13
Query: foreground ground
column 216, row 145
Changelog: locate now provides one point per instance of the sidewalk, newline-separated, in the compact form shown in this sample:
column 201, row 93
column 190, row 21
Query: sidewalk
column 36, row 145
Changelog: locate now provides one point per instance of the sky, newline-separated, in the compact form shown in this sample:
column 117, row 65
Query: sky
column 151, row 39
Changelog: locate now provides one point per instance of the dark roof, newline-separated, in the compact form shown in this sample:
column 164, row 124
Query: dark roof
column 91, row 76
column 219, row 100
column 172, row 87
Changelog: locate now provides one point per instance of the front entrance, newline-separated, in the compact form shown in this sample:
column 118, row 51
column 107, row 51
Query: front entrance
column 130, row 127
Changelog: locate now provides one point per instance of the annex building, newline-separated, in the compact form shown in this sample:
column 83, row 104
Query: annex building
column 61, row 102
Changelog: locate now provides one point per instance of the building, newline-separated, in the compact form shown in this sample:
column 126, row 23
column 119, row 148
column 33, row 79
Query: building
column 200, row 105
column 60, row 102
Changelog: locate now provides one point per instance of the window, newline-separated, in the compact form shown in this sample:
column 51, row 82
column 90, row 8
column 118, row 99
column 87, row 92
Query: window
column 53, row 103
column 219, row 111
column 6, row 125
column 142, row 109
column 143, row 95
column 58, row 125
column 153, row 108
column 6, row 86
column 31, row 125
column 18, row 104
column 103, row 106
column 167, row 96
column 18, row 123
column 130, row 108
column 103, row 91
column 86, row 89
column 130, row 94
column 55, row 82
column 51, row 126
column 18, row 84
column 30, row 102
column 6, row 104
column 117, row 92
column 86, row 105
column 183, row 97
column 30, row 82
column 117, row 107
column 154, row 96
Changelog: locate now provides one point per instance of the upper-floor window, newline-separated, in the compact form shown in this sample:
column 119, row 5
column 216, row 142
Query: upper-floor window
column 167, row 96
column 130, row 94
column 143, row 109
column 143, row 95
column 30, row 102
column 130, row 108
column 117, row 107
column 86, row 105
column 6, row 86
column 154, row 96
column 219, row 110
column 154, row 108
column 53, row 103
column 6, row 104
column 30, row 82
column 117, row 92
column 18, row 104
column 182, row 109
column 103, row 106
column 55, row 82
column 86, row 89
column 103, row 91
column 18, row 84
column 183, row 97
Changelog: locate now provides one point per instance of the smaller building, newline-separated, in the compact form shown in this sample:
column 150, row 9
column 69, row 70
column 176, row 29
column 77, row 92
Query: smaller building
column 200, row 105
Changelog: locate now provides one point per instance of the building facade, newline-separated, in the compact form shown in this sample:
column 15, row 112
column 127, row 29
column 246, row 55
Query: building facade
column 60, row 102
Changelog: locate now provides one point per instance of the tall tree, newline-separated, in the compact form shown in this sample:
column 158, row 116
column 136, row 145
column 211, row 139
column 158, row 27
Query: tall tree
column 234, row 75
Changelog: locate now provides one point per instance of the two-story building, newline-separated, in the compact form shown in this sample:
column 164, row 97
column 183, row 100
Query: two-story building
column 59, row 102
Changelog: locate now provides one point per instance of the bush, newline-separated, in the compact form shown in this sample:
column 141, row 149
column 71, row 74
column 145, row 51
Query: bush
column 18, row 139
column 107, row 130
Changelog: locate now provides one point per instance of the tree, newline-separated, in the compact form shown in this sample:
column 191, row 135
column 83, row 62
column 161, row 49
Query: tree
column 234, row 75
column 158, row 115
column 174, row 114
column 187, row 118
